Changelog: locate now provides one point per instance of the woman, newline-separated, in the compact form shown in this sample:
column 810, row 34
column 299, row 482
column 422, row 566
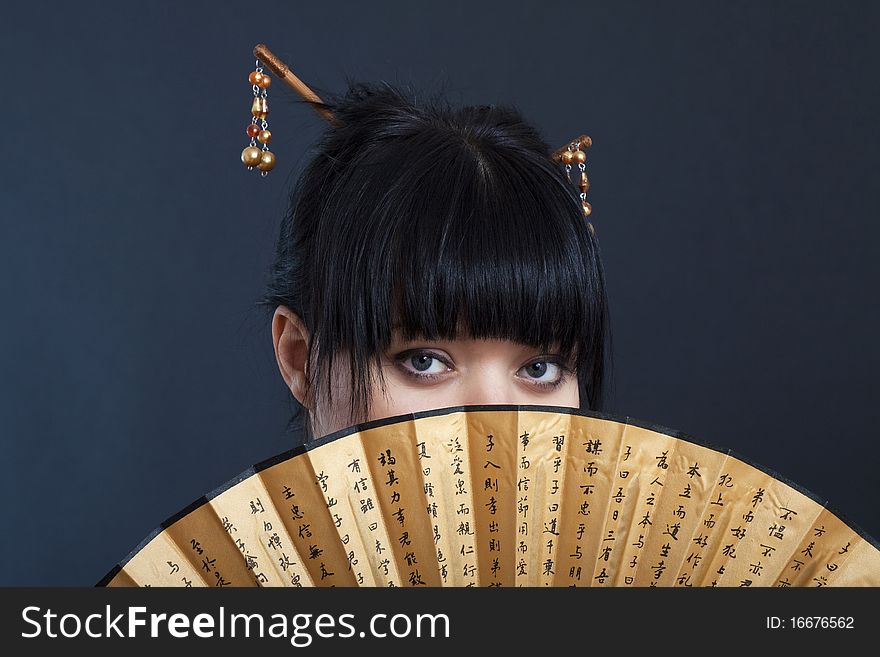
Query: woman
column 434, row 256
column 438, row 257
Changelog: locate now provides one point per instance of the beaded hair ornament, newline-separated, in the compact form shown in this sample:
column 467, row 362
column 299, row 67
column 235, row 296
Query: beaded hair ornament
column 260, row 157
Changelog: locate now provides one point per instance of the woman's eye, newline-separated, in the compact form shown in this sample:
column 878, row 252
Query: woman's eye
column 538, row 371
column 422, row 364
column 428, row 366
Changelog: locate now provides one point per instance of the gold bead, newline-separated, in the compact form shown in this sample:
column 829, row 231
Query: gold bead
column 592, row 230
column 264, row 137
column 267, row 161
column 264, row 81
column 260, row 108
column 254, row 77
column 579, row 156
column 585, row 183
column 566, row 157
column 251, row 156
column 587, row 208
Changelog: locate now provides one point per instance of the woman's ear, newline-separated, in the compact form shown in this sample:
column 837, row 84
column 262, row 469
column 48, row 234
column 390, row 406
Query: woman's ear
column 291, row 339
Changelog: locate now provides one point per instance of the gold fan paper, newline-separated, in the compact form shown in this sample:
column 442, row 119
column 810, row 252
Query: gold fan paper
column 505, row 495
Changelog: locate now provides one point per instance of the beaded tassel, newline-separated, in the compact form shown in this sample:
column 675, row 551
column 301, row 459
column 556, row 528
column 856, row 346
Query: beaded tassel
column 575, row 153
column 258, row 130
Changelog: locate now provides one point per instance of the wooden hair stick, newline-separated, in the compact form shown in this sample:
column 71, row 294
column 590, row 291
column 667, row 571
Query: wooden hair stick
column 283, row 72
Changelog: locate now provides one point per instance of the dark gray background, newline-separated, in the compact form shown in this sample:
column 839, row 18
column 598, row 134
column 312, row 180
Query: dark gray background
column 734, row 190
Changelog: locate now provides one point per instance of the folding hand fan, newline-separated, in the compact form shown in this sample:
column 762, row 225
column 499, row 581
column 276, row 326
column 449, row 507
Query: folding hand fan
column 505, row 495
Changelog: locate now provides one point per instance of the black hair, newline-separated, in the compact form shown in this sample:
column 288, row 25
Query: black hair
column 449, row 221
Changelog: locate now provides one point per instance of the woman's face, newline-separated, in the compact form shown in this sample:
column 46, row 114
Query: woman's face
column 421, row 375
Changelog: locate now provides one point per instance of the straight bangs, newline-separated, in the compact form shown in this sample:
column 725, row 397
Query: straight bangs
column 446, row 234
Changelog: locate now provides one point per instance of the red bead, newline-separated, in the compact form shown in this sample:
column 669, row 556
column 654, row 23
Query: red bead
column 253, row 130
